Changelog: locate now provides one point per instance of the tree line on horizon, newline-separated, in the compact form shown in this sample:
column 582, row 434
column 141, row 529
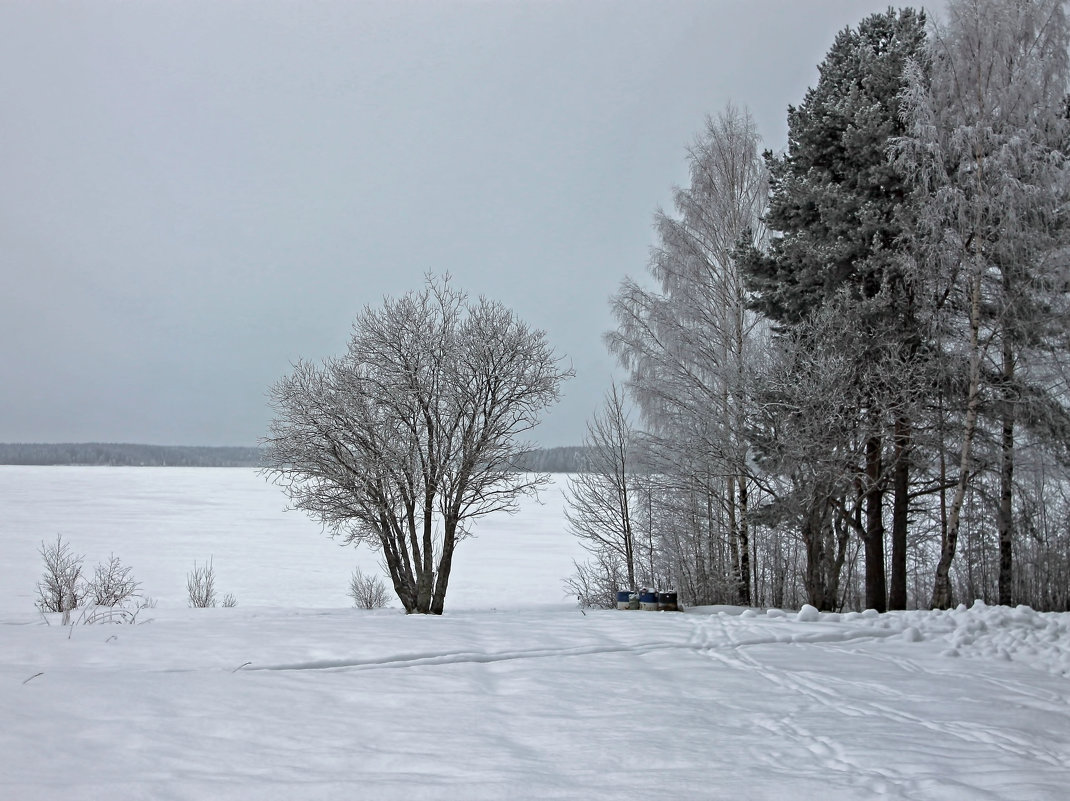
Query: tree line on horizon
column 564, row 459
column 125, row 454
column 849, row 363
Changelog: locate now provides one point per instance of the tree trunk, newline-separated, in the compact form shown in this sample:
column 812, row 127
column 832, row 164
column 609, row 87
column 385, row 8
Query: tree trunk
column 814, row 539
column 744, row 546
column 876, row 586
column 623, row 478
column 392, row 536
column 733, row 539
column 626, row 523
column 445, row 564
column 942, row 596
column 424, row 559
column 897, row 594
column 1005, row 518
column 402, row 587
column 842, row 531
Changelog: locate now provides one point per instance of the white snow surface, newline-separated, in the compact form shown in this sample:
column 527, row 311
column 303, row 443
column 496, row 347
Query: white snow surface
column 513, row 693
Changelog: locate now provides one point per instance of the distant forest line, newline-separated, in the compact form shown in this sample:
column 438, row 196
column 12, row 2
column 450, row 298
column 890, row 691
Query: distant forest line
column 543, row 460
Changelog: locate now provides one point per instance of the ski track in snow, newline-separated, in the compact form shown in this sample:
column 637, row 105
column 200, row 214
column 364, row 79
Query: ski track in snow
column 466, row 657
column 723, row 640
column 829, row 754
column 733, row 651
column 820, row 698
column 700, row 641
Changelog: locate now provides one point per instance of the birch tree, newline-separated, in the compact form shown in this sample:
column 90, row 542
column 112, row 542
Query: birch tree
column 689, row 345
column 986, row 150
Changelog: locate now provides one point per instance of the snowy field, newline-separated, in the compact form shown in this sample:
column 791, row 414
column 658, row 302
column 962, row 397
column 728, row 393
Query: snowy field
column 512, row 694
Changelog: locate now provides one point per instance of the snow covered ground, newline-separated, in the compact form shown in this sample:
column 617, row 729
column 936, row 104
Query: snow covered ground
column 512, row 694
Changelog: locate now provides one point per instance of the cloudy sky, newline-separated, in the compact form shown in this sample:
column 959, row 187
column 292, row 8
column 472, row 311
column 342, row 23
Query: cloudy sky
column 194, row 194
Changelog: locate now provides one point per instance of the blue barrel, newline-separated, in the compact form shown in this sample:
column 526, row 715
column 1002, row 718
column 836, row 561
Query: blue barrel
column 648, row 600
column 667, row 602
column 624, row 599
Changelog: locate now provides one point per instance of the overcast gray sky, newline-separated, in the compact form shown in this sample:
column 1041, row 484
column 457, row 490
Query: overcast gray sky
column 193, row 194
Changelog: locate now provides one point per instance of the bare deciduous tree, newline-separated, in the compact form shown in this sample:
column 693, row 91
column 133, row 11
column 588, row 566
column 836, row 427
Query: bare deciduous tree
column 601, row 498
column 414, row 433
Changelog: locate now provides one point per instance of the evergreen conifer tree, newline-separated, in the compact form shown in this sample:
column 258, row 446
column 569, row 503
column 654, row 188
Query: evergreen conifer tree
column 838, row 210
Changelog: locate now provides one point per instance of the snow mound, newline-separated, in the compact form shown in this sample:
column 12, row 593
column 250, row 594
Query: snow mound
column 1040, row 640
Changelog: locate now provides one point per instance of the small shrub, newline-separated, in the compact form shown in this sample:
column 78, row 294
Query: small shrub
column 124, row 612
column 229, row 601
column 200, row 584
column 113, row 583
column 595, row 582
column 62, row 587
column 368, row 592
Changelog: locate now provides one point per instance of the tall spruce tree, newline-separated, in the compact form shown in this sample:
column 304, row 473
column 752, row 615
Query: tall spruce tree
column 839, row 206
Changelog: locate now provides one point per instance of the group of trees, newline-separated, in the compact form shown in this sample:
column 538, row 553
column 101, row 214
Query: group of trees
column 849, row 366
column 850, row 373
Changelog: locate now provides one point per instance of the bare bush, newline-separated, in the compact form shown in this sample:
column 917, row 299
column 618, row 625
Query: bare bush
column 113, row 583
column 596, row 582
column 368, row 591
column 62, row 587
column 200, row 584
column 229, row 601
column 126, row 611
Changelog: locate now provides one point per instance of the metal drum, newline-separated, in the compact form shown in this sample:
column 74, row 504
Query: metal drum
column 667, row 602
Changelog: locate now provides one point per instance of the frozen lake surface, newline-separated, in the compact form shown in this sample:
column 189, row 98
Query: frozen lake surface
column 512, row 694
column 159, row 520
